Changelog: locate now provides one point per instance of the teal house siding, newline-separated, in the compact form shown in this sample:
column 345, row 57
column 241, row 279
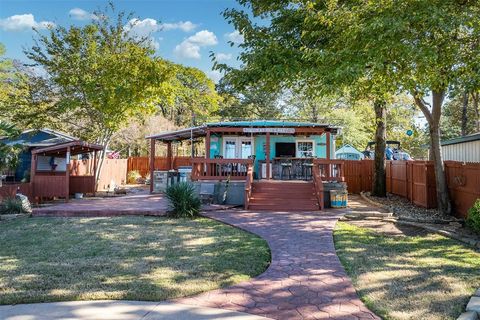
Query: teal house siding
column 318, row 140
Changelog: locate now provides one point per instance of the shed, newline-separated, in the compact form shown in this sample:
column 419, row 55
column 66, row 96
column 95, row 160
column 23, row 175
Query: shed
column 465, row 149
column 51, row 173
column 348, row 152
column 30, row 139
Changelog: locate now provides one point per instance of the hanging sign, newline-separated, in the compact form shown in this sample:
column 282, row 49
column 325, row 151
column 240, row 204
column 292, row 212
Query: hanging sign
column 271, row 130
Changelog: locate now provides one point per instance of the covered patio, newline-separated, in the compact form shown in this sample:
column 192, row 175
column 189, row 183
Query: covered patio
column 50, row 173
column 280, row 150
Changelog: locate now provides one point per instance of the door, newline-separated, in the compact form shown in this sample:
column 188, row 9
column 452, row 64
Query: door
column 230, row 148
column 237, row 147
column 246, row 147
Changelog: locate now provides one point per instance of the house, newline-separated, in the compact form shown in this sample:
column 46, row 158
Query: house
column 31, row 139
column 348, row 152
column 268, row 157
column 465, row 149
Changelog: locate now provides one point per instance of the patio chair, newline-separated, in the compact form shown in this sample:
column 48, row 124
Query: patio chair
column 286, row 169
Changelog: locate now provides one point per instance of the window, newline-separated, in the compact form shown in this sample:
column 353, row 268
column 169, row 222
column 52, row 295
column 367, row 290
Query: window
column 305, row 149
column 230, row 149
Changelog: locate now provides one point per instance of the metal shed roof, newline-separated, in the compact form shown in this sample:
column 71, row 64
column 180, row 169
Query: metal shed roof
column 195, row 132
column 471, row 137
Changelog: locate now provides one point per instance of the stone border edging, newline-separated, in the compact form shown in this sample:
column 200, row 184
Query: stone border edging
column 374, row 203
column 433, row 221
column 421, row 224
column 472, row 311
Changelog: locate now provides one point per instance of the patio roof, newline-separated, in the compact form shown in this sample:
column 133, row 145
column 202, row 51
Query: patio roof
column 195, row 132
column 76, row 147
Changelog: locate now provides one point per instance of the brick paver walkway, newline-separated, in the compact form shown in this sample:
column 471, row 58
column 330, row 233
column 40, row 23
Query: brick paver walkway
column 305, row 280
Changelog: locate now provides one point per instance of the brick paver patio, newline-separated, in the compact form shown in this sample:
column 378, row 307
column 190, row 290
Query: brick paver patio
column 305, row 280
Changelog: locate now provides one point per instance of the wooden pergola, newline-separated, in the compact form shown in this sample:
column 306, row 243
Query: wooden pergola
column 52, row 183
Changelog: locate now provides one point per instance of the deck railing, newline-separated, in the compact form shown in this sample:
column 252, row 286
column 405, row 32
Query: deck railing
column 248, row 185
column 317, row 182
column 220, row 169
column 330, row 170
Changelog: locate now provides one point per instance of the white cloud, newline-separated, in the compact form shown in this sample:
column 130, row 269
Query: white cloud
column 190, row 47
column 187, row 50
column 144, row 29
column 21, row 22
column 80, row 14
column 203, row 38
column 234, row 37
column 215, row 75
column 185, row 26
column 223, row 56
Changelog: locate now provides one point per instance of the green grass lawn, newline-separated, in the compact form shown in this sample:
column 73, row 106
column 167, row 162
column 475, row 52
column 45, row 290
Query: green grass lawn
column 422, row 277
column 136, row 258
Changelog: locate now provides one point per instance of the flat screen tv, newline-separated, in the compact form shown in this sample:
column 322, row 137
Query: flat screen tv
column 285, row 149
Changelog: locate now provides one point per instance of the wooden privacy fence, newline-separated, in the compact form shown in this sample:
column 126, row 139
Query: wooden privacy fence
column 142, row 164
column 10, row 190
column 415, row 180
column 113, row 170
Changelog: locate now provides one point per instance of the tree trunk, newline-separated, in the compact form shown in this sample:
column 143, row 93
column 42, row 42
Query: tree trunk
column 433, row 118
column 105, row 142
column 464, row 113
column 379, row 176
column 475, row 98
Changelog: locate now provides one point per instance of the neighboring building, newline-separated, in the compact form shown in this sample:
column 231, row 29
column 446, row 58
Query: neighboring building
column 348, row 152
column 466, row 149
column 35, row 138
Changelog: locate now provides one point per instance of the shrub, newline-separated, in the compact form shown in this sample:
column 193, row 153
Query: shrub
column 473, row 218
column 11, row 206
column 184, row 202
column 133, row 176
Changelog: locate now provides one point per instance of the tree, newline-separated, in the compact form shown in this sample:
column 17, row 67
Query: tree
column 430, row 46
column 417, row 46
column 252, row 102
column 190, row 96
column 102, row 75
column 300, row 44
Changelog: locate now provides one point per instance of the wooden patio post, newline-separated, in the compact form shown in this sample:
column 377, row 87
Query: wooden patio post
column 169, row 156
column 67, row 174
column 267, row 155
column 328, row 145
column 33, row 169
column 207, row 151
column 152, row 162
column 329, row 165
column 95, row 172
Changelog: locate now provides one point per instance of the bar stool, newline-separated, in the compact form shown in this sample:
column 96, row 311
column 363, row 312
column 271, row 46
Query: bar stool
column 286, row 168
column 307, row 170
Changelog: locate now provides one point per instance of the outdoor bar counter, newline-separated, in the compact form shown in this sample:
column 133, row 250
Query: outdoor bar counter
column 291, row 168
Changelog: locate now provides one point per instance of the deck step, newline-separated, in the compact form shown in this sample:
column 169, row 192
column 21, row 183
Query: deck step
column 287, row 196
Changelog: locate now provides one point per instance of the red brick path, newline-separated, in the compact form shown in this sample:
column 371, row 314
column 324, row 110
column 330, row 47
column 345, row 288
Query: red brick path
column 305, row 279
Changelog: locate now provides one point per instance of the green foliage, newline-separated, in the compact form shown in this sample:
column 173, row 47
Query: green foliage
column 253, row 102
column 8, row 153
column 101, row 74
column 11, row 206
column 191, row 96
column 133, row 176
column 473, row 218
column 184, row 201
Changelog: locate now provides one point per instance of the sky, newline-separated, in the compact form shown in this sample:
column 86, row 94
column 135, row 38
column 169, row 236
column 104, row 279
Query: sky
column 183, row 31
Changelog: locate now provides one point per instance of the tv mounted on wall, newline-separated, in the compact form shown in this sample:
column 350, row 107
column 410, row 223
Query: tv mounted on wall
column 285, row 149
